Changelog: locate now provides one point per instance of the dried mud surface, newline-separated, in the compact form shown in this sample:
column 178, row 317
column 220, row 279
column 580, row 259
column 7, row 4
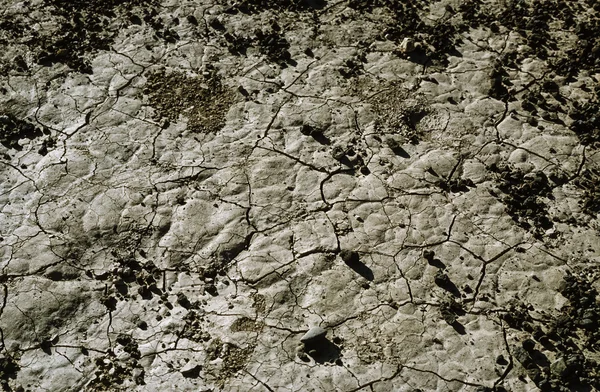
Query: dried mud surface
column 299, row 195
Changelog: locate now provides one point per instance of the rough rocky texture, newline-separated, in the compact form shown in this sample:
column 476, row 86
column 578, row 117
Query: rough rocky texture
column 189, row 187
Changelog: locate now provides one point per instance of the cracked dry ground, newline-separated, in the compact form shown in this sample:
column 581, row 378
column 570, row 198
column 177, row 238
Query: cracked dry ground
column 188, row 187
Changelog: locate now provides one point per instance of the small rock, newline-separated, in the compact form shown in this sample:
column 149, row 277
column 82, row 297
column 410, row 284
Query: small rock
column 313, row 334
column 448, row 316
column 428, row 255
column 528, row 344
column 211, row 289
column 500, row 360
column 588, row 314
column 349, row 256
column 538, row 334
column 307, row 130
column 183, row 301
column 338, row 153
column 522, row 356
column 587, row 323
column 535, row 374
column 558, row 368
column 392, row 143
column 192, row 20
column 407, row 45
column 301, row 353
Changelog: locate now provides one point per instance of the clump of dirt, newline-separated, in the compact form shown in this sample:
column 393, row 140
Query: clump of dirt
column 112, row 370
column 204, row 101
column 354, row 66
column 246, row 324
column 193, row 329
column 517, row 316
column 234, row 358
column 399, row 112
column 438, row 38
column 236, row 44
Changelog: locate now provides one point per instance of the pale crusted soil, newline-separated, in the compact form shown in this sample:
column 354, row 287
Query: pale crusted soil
column 189, row 187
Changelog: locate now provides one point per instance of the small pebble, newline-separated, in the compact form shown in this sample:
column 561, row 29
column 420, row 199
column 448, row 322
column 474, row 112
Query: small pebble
column 528, row 344
column 315, row 333
column 407, row 45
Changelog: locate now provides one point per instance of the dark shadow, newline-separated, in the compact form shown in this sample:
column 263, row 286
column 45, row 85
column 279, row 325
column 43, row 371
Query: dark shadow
column 10, row 369
column 362, row 270
column 154, row 288
column 547, row 344
column 211, row 289
column 346, row 162
column 436, row 263
column 397, row 148
column 454, row 52
column 46, row 347
column 352, row 260
column 316, row 134
column 432, row 172
column 193, row 372
column 444, row 282
column 184, row 301
column 400, row 152
column 560, row 99
column 313, row 4
column 356, row 160
column 230, row 252
column 322, row 351
column 121, row 287
column 580, row 387
column 418, row 56
column 217, row 25
column 539, row 358
column 320, row 138
column 145, row 292
column 458, row 327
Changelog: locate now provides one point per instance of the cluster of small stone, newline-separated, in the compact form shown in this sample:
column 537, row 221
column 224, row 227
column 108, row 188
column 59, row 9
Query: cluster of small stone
column 13, row 129
column 522, row 197
column 570, row 338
